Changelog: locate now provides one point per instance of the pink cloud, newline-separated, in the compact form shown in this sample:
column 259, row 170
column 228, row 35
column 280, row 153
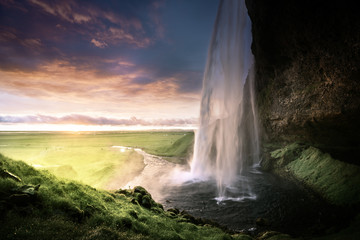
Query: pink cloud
column 98, row 43
column 125, row 30
column 64, row 9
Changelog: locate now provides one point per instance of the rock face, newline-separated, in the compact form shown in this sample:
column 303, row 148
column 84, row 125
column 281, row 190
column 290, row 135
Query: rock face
column 308, row 72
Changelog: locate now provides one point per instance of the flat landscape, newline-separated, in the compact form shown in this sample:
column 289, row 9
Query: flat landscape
column 90, row 157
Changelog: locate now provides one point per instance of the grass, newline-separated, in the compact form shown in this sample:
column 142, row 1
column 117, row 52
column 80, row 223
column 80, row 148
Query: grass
column 89, row 157
column 65, row 209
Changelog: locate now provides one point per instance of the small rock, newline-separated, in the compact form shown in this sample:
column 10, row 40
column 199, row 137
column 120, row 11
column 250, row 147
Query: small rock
column 174, row 210
column 190, row 218
column 6, row 174
column 141, row 190
column 262, row 222
column 146, row 201
column 271, row 234
column 27, row 189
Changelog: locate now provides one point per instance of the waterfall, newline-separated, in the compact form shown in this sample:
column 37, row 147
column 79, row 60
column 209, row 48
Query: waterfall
column 227, row 141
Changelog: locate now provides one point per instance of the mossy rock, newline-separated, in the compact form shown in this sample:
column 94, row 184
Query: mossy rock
column 146, row 201
column 336, row 181
column 273, row 235
column 241, row 236
column 141, row 190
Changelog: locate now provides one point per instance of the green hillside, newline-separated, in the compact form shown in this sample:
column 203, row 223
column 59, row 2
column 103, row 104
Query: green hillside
column 42, row 206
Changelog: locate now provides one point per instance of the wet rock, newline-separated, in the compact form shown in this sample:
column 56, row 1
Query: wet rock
column 241, row 236
column 146, row 201
column 141, row 190
column 190, row 218
column 159, row 205
column 175, row 211
column 134, row 201
column 262, row 222
column 27, row 189
column 24, row 195
column 6, row 174
column 138, row 197
column 273, row 235
column 307, row 56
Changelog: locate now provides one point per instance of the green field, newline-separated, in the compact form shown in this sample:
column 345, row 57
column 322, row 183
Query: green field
column 89, row 157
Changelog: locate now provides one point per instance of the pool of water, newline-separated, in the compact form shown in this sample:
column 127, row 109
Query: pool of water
column 283, row 205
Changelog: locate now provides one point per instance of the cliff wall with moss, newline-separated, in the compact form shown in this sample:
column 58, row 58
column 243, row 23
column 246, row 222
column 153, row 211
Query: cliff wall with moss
column 307, row 73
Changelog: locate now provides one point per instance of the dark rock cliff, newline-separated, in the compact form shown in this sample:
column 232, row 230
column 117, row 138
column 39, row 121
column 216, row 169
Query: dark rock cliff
column 308, row 71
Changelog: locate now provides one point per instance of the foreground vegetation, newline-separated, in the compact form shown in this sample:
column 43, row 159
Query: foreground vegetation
column 89, row 157
column 34, row 204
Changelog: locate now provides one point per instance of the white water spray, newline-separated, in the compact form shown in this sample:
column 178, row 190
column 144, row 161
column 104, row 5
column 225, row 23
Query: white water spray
column 227, row 142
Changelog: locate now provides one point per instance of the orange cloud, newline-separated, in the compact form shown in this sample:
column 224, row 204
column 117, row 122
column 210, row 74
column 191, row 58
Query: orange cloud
column 62, row 80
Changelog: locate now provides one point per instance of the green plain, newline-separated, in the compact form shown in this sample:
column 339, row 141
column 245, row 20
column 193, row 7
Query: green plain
column 90, row 157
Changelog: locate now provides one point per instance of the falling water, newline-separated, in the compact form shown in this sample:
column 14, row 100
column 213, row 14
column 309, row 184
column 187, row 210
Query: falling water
column 227, row 142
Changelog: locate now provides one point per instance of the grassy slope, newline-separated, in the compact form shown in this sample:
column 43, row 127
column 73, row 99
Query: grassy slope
column 63, row 209
column 337, row 181
column 334, row 180
column 89, row 157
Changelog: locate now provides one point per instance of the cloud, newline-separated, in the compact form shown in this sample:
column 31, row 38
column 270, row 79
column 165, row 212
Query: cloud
column 64, row 80
column 117, row 35
column 11, row 35
column 88, row 120
column 94, row 22
column 98, row 43
column 67, row 10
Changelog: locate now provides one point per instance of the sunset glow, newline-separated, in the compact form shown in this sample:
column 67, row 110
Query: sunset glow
column 142, row 60
column 87, row 128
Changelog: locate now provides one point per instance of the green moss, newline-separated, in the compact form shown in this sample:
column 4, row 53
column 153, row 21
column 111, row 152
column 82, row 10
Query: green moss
column 337, row 181
column 287, row 154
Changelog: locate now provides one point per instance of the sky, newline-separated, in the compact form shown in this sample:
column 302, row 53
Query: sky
column 102, row 65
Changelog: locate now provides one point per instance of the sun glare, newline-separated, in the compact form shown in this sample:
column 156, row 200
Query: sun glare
column 76, row 128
